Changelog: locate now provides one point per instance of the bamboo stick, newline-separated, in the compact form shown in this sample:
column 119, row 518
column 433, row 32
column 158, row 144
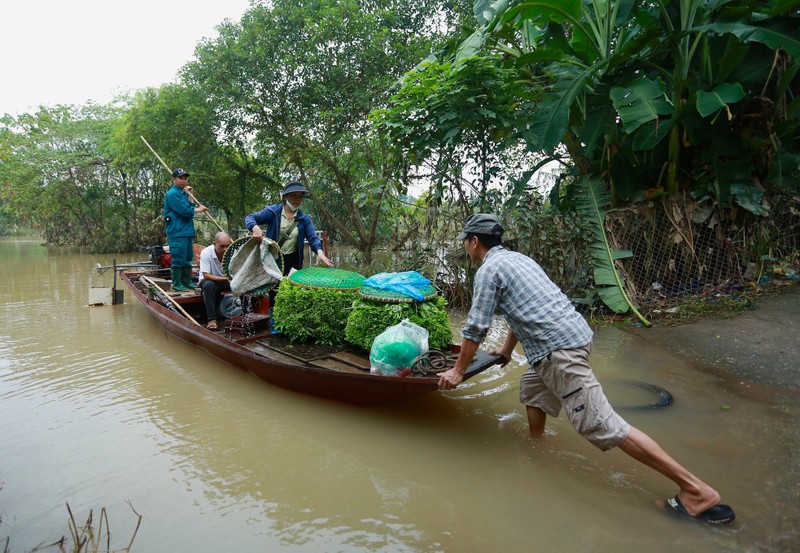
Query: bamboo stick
column 191, row 196
column 176, row 304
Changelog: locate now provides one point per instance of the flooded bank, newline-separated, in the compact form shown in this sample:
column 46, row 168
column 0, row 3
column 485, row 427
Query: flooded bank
column 99, row 407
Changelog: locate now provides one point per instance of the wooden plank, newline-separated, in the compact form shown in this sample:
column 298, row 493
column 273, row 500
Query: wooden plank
column 258, row 336
column 299, row 351
column 335, row 365
column 271, row 354
column 357, row 361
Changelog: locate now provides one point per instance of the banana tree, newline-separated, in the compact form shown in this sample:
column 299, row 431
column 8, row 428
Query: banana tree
column 641, row 93
column 630, row 79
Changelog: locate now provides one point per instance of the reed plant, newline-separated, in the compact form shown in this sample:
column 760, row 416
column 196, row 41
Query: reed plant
column 87, row 537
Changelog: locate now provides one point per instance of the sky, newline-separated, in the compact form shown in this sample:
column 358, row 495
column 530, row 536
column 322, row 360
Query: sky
column 77, row 51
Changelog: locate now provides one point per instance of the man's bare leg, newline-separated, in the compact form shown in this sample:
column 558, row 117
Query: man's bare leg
column 536, row 421
column 696, row 495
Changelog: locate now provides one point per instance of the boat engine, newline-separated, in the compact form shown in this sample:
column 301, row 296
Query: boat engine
column 160, row 256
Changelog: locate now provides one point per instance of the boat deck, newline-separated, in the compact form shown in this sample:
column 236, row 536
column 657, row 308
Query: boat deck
column 279, row 348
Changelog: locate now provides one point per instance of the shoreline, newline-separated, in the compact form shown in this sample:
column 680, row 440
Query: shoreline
column 761, row 344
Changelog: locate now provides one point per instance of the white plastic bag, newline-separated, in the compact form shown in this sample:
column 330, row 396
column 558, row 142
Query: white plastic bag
column 396, row 348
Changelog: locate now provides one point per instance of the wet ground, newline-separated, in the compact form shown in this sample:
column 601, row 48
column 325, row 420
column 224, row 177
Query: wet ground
column 761, row 345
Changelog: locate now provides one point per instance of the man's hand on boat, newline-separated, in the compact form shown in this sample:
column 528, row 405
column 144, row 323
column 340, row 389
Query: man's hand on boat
column 451, row 378
column 448, row 380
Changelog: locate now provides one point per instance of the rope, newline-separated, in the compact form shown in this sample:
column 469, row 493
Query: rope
column 433, row 362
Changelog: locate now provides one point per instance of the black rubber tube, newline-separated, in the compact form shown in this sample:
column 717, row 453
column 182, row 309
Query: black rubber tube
column 662, row 397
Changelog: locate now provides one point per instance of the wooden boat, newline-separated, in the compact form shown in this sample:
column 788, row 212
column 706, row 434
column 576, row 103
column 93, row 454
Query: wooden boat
column 246, row 343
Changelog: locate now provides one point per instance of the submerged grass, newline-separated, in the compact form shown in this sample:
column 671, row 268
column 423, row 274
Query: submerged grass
column 85, row 538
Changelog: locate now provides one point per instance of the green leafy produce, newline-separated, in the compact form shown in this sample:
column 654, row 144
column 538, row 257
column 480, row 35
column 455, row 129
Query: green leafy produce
column 312, row 314
column 369, row 318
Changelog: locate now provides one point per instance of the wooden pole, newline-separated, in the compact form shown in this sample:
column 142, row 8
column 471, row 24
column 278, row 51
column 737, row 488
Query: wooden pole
column 191, row 196
column 172, row 301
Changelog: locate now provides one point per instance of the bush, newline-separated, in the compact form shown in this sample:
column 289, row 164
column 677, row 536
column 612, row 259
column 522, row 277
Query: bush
column 312, row 314
column 369, row 318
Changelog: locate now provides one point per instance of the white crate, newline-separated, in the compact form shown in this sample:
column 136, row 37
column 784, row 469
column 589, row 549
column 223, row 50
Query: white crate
column 101, row 296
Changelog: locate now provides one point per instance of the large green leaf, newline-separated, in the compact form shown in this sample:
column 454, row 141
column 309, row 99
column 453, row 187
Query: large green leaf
column 551, row 118
column 600, row 118
column 558, row 10
column 720, row 97
column 640, row 102
column 470, row 47
column 486, row 10
column 650, row 134
column 775, row 35
column 591, row 197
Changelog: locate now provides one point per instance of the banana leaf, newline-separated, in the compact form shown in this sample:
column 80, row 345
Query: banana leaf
column 591, row 197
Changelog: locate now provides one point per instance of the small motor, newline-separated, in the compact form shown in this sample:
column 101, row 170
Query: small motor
column 160, row 256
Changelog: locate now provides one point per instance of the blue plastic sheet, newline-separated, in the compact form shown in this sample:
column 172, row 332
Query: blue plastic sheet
column 409, row 283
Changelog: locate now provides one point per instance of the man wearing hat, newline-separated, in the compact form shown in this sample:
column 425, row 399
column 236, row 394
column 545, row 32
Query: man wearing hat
column 556, row 341
column 286, row 224
column 179, row 221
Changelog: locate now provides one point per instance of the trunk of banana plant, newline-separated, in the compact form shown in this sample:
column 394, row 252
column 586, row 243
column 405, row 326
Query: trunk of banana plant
column 671, row 186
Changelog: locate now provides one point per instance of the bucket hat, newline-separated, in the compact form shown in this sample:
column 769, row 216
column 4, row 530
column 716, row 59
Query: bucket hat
column 294, row 186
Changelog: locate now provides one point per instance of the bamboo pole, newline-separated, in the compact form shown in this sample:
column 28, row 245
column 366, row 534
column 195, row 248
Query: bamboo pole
column 191, row 196
column 172, row 301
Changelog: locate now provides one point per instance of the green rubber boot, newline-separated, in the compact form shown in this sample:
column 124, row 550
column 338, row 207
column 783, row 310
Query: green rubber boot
column 177, row 281
column 187, row 278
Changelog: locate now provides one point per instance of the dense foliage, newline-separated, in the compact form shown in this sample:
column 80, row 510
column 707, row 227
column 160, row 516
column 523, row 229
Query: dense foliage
column 369, row 318
column 312, row 314
column 284, row 93
column 405, row 116
column 638, row 101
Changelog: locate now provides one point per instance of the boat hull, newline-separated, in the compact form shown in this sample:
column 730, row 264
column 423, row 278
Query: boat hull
column 358, row 387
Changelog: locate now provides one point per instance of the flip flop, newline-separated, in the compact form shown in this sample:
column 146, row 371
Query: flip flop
column 212, row 325
column 718, row 514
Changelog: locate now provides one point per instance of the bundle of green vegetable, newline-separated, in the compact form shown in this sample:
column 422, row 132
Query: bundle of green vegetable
column 369, row 318
column 312, row 314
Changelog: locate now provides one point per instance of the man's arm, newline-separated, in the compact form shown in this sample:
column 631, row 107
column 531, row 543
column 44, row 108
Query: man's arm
column 214, row 278
column 508, row 347
column 452, row 378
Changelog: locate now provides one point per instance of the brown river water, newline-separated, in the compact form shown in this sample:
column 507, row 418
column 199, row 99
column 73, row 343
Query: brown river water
column 99, row 408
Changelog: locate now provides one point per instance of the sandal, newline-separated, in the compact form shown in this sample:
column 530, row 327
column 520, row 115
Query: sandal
column 718, row 514
column 212, row 325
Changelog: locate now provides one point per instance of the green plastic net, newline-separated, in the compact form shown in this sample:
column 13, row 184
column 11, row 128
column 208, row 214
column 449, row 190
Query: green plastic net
column 326, row 278
column 390, row 296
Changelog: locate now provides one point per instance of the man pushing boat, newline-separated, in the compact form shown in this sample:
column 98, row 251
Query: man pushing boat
column 557, row 341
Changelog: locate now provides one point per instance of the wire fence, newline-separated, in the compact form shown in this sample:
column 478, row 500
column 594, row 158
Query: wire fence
column 682, row 250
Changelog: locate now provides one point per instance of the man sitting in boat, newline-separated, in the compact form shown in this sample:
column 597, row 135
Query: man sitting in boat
column 213, row 281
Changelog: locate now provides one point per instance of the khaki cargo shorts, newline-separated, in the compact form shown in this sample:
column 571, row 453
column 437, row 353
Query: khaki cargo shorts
column 565, row 379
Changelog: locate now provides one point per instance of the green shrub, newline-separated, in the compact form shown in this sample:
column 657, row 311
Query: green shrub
column 369, row 318
column 311, row 314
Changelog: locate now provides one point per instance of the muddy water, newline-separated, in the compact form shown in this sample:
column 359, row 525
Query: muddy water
column 100, row 408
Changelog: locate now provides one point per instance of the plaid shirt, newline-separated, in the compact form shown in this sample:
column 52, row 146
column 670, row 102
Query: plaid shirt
column 541, row 316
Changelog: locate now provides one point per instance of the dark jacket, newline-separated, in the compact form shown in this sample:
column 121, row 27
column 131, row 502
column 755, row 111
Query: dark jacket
column 269, row 219
column 178, row 213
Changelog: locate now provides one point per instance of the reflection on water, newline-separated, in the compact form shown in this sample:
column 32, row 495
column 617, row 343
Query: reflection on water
column 99, row 406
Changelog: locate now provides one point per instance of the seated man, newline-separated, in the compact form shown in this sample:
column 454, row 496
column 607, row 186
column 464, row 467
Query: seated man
column 213, row 281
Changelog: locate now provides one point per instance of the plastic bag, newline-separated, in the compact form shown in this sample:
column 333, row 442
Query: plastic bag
column 397, row 347
column 409, row 283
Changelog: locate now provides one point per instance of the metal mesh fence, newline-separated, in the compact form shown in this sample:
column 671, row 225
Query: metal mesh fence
column 681, row 250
